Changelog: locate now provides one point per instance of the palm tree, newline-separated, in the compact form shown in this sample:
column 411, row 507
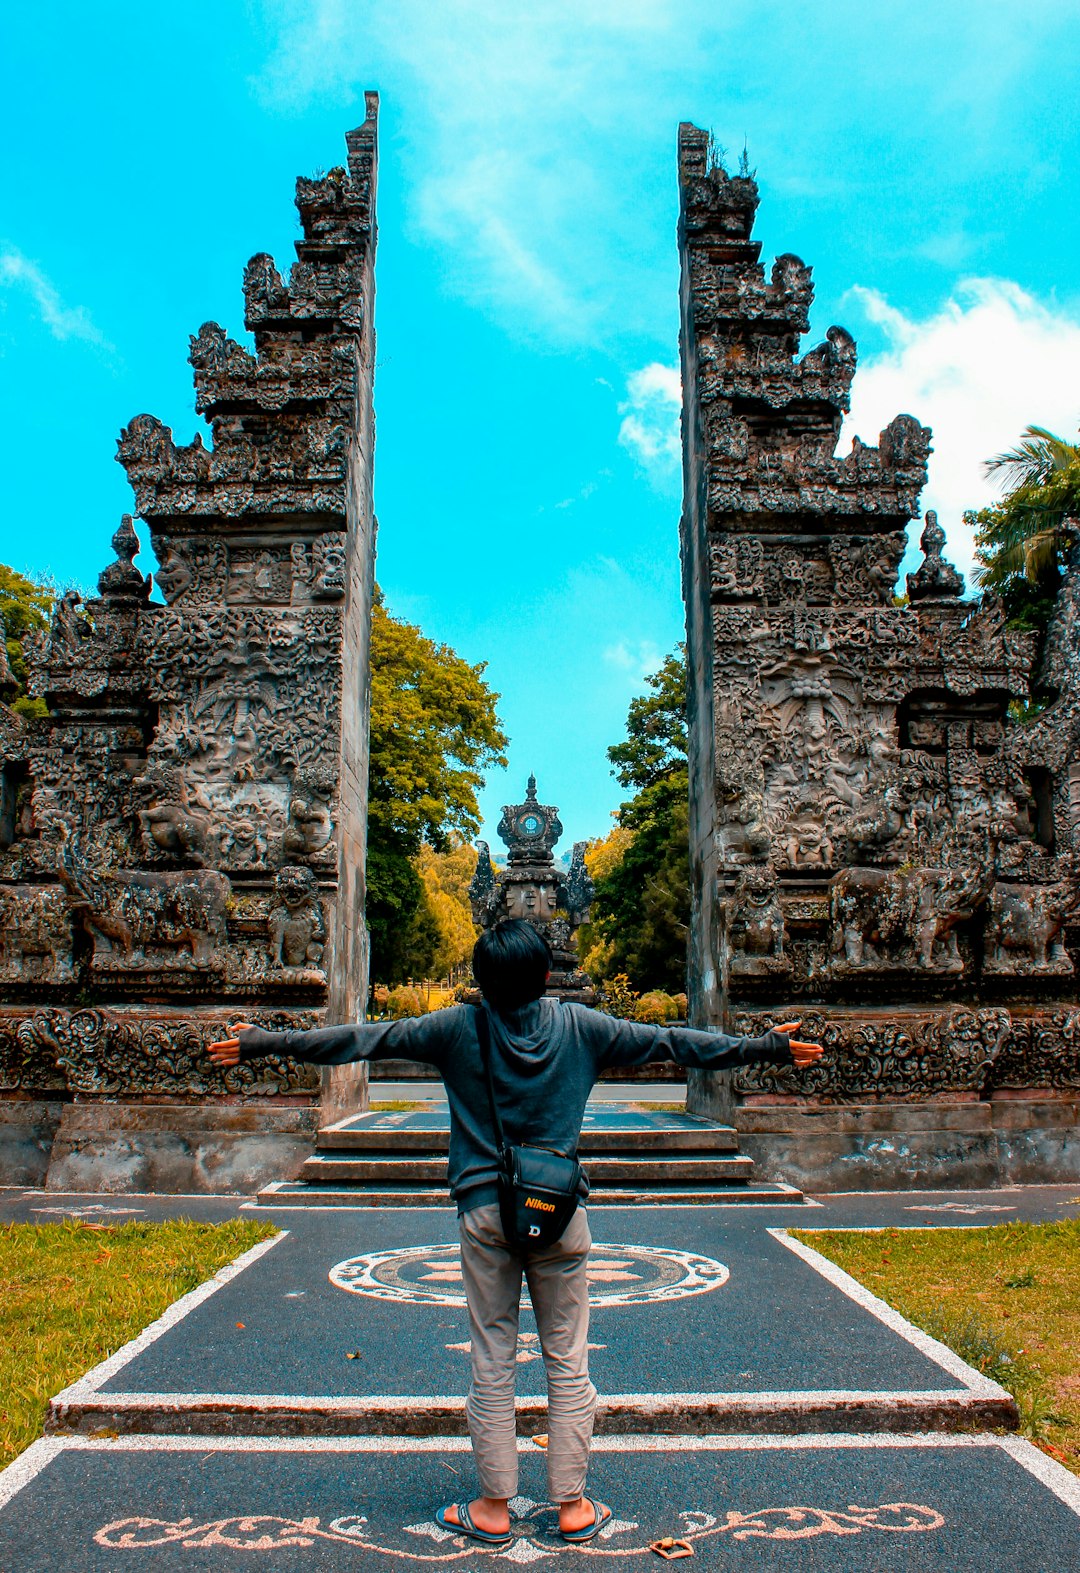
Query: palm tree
column 1022, row 536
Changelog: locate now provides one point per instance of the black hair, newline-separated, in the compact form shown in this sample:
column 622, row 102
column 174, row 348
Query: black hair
column 511, row 963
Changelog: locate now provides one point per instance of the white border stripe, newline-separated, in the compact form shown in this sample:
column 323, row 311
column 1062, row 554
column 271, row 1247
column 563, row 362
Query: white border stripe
column 973, row 1380
column 27, row 1466
column 91, row 1380
column 1056, row 1479
column 1061, row 1481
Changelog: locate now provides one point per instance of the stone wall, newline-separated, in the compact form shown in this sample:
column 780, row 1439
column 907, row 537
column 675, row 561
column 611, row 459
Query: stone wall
column 182, row 839
column 880, row 846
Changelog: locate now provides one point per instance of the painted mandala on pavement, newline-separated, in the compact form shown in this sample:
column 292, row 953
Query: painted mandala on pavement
column 618, row 1275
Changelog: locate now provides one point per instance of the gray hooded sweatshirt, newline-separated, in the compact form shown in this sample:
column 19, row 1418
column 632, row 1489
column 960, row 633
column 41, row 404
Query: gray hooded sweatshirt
column 545, row 1060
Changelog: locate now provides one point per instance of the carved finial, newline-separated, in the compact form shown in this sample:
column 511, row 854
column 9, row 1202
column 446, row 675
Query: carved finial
column 936, row 579
column 125, row 543
column 121, row 580
column 530, row 790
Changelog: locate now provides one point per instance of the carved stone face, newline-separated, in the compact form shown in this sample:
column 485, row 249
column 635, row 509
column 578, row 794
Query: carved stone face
column 173, row 577
column 295, row 886
column 330, row 581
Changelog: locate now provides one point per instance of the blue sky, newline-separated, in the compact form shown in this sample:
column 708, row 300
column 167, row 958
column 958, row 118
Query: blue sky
column 921, row 158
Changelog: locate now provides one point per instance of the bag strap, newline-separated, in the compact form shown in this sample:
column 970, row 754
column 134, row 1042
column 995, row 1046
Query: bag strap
column 483, row 1034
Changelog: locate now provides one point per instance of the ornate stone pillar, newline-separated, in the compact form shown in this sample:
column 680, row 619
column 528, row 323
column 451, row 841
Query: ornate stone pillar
column 530, row 887
column 879, row 847
column 183, row 837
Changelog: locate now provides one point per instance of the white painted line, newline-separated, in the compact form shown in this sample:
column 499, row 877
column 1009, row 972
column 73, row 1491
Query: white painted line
column 156, row 1196
column 87, row 1384
column 751, row 1209
column 1061, row 1481
column 1051, row 1475
column 27, row 1466
column 934, row 1350
column 631, row 1443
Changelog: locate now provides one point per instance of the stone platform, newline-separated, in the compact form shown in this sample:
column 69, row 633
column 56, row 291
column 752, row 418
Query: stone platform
column 632, row 1156
column 883, row 1146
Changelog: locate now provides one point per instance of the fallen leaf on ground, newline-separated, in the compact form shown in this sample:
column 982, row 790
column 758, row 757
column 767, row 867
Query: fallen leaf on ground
column 541, row 1440
column 354, row 1354
column 240, row 1325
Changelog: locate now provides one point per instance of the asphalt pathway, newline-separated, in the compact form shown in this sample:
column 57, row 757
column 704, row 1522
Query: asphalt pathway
column 686, row 1299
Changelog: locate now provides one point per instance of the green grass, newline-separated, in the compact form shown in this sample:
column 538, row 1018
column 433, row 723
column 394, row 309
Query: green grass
column 1006, row 1299
column 71, row 1294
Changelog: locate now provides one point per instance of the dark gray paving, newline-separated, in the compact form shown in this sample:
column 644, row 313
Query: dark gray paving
column 971, row 1509
column 776, row 1324
column 849, row 1210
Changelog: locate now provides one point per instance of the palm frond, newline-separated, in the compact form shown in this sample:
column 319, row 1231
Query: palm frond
column 1037, row 456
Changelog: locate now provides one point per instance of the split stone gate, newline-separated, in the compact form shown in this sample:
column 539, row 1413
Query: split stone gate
column 877, row 846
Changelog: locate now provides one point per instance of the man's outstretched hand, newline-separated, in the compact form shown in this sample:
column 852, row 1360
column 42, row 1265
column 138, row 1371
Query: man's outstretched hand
column 227, row 1052
column 803, row 1054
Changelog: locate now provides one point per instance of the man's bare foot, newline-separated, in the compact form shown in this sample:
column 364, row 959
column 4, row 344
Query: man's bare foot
column 488, row 1513
column 576, row 1515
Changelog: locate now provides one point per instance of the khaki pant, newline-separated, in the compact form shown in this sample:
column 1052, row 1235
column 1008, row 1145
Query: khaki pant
column 560, row 1301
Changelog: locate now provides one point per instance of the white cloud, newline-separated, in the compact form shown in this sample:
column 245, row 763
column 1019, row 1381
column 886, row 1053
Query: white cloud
column 650, row 419
column 988, row 362
column 638, row 660
column 511, row 123
column 63, row 322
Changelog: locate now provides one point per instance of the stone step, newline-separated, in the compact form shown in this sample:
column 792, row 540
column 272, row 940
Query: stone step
column 608, row 1126
column 703, row 1170
column 297, row 1193
column 676, row 1139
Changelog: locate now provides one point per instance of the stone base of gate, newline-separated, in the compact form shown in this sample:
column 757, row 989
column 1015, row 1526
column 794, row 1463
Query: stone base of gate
column 1014, row 1140
column 27, row 1129
column 178, row 1148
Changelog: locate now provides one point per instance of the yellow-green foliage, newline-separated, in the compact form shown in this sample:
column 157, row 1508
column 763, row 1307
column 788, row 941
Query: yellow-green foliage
column 71, row 1294
column 617, row 998
column 405, row 1001
column 656, row 1007
column 1006, row 1299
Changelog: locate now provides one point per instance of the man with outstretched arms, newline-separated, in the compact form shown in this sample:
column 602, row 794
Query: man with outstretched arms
column 545, row 1058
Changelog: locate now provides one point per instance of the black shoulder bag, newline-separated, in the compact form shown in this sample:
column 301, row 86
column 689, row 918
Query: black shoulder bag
column 539, row 1190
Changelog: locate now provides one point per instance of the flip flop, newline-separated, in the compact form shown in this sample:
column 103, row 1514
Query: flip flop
column 601, row 1514
column 465, row 1526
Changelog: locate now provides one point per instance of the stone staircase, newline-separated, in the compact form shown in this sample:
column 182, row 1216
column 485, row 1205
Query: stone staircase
column 633, row 1156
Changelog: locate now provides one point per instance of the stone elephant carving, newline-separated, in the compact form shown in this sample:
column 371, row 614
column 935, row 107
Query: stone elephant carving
column 1024, row 928
column 904, row 918
column 132, row 913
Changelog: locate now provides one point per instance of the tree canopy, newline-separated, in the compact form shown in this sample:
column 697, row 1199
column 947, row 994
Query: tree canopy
column 1020, row 542
column 641, row 912
column 434, row 731
column 25, row 607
